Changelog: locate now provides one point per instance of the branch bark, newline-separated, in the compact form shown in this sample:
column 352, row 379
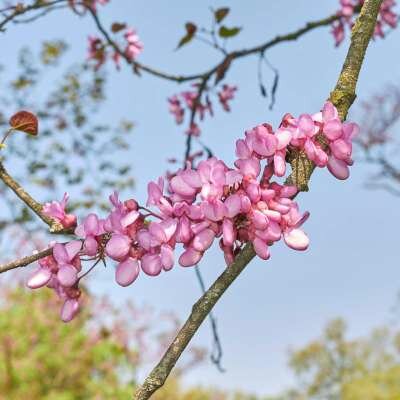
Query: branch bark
column 25, row 261
column 36, row 207
column 342, row 97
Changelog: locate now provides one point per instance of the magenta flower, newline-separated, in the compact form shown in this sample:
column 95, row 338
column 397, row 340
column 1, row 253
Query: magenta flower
column 134, row 45
column 91, row 228
column 56, row 210
column 68, row 262
column 226, row 94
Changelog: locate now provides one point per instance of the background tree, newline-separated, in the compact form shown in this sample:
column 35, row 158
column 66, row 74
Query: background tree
column 334, row 367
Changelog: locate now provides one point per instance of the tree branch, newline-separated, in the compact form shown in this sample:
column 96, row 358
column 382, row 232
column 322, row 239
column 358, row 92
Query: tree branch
column 21, row 9
column 25, row 261
column 36, row 207
column 225, row 61
column 342, row 96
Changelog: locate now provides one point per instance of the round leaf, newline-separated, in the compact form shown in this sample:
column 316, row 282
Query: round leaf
column 25, row 121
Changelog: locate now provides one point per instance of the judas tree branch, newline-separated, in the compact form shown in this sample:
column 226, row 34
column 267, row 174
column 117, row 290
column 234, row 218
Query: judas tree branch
column 342, row 97
column 36, row 207
column 25, row 261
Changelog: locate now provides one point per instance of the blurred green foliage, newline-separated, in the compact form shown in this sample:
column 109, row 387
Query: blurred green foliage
column 335, row 368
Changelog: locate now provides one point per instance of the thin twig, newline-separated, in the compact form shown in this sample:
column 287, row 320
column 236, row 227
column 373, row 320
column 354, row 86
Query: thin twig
column 25, row 261
column 19, row 10
column 228, row 58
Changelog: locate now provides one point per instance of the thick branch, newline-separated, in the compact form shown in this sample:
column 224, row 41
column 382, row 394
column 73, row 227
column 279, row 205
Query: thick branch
column 344, row 92
column 342, row 96
column 36, row 207
column 200, row 311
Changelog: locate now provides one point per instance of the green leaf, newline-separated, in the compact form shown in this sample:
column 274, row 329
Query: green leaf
column 225, row 32
column 190, row 32
column 221, row 13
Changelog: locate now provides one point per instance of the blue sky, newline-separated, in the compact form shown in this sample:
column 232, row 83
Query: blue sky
column 350, row 269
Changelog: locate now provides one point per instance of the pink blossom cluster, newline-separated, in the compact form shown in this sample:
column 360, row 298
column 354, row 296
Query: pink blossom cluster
column 59, row 272
column 322, row 136
column 99, row 53
column 198, row 205
column 387, row 17
column 187, row 100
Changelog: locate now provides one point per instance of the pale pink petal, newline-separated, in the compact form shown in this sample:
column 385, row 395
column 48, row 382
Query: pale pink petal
column 228, row 232
column 249, row 167
column 333, row 129
column 73, row 248
column 242, row 150
column 279, row 164
column 203, row 240
column 169, row 226
column 118, row 247
column 90, row 246
column 284, row 137
column 233, row 205
column 260, row 221
column 39, row 278
column 329, row 111
column 288, row 191
column 60, row 254
column 157, row 231
column 296, row 239
column 190, row 257
column 91, row 225
column 167, row 257
column 67, row 275
column 306, row 124
column 341, row 149
column 261, row 249
column 179, row 186
column 129, row 218
column 127, row 272
column 69, row 310
column 144, row 239
column 151, row 264
column 338, row 168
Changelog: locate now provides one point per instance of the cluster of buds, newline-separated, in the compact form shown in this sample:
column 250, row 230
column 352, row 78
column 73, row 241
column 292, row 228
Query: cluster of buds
column 198, row 205
column 387, row 17
column 189, row 100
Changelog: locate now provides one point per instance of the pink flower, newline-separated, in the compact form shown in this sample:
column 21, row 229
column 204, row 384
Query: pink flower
column 91, row 228
column 118, row 246
column 127, row 271
column 56, row 210
column 226, row 94
column 176, row 109
column 68, row 261
column 96, row 51
column 134, row 45
column 193, row 130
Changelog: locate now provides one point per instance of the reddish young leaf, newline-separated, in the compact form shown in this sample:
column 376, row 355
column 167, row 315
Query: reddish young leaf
column 221, row 13
column 190, row 32
column 25, row 121
column 117, row 27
